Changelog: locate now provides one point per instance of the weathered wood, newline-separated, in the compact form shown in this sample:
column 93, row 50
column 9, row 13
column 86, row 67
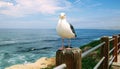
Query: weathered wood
column 71, row 57
column 116, row 47
column 119, row 41
column 59, row 57
column 105, row 52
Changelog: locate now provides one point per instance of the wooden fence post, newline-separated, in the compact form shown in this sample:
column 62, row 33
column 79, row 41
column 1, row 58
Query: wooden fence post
column 119, row 41
column 116, row 47
column 71, row 57
column 105, row 52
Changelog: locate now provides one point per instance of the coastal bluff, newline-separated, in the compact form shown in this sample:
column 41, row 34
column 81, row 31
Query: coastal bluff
column 41, row 63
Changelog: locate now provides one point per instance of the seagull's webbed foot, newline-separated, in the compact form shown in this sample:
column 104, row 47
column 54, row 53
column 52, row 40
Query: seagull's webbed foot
column 62, row 48
column 68, row 48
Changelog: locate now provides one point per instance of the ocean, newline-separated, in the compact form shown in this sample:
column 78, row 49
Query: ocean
column 19, row 46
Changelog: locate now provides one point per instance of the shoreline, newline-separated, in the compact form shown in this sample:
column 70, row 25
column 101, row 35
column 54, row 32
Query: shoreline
column 41, row 63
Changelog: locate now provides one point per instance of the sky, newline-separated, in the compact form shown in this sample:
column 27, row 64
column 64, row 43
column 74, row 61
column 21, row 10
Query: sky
column 44, row 14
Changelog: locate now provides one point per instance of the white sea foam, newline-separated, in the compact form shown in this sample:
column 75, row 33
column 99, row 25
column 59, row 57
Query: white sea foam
column 12, row 61
column 2, row 43
column 7, row 42
column 21, row 57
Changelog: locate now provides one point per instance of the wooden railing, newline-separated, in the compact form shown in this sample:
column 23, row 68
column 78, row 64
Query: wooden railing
column 71, row 58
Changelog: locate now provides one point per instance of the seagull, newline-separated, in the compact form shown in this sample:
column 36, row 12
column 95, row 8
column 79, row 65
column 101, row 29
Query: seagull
column 65, row 30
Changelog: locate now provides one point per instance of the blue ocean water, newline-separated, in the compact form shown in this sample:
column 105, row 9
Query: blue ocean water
column 18, row 46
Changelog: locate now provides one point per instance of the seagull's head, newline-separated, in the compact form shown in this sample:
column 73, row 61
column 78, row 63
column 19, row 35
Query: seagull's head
column 62, row 16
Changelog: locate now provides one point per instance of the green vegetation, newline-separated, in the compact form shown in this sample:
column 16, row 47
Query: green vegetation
column 91, row 44
column 91, row 60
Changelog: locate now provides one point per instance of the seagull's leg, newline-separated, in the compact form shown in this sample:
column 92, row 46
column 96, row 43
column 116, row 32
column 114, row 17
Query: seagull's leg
column 61, row 48
column 69, row 40
column 69, row 43
column 62, row 42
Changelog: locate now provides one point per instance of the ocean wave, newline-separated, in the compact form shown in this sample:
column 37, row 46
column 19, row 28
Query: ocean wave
column 8, row 43
column 5, row 55
column 51, row 40
column 7, row 58
column 32, row 49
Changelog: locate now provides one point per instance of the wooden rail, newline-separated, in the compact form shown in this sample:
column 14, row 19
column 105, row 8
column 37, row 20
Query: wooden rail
column 71, row 58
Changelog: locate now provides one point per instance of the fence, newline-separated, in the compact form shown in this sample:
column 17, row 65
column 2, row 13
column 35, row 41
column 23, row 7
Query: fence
column 71, row 58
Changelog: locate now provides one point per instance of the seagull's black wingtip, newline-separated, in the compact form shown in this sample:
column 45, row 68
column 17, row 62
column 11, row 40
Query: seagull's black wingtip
column 72, row 28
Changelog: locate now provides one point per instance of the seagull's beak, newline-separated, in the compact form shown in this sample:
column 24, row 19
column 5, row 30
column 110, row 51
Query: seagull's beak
column 62, row 17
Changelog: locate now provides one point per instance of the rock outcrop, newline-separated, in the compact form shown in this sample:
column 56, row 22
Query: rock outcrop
column 41, row 63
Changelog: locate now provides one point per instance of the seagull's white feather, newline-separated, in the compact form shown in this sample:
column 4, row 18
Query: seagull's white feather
column 63, row 28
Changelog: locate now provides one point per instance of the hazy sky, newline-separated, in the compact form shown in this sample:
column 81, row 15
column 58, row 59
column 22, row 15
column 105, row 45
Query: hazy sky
column 83, row 14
